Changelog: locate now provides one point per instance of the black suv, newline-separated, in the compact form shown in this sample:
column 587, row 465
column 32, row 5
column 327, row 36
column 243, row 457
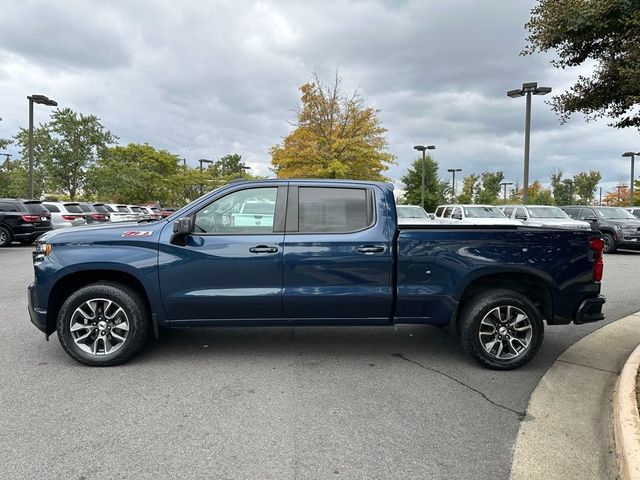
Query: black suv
column 22, row 221
column 620, row 229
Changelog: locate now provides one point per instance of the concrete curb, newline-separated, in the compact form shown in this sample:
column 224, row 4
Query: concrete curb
column 626, row 419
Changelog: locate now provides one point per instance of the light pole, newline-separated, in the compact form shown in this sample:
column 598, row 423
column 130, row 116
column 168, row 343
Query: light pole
column 633, row 157
column 528, row 89
column 504, row 185
column 453, row 181
column 201, row 161
column 42, row 100
column 423, row 149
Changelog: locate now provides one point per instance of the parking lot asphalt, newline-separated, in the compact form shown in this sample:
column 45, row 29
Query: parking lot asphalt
column 268, row 403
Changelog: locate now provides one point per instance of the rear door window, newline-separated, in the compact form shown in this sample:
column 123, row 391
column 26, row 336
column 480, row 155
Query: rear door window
column 333, row 210
column 36, row 208
column 85, row 208
column 8, row 207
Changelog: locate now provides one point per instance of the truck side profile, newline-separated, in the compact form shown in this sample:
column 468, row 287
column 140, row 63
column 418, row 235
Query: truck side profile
column 311, row 252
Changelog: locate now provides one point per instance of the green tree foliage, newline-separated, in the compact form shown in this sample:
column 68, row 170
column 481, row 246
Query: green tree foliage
column 65, row 148
column 585, row 185
column 4, row 143
column 538, row 195
column 136, row 174
column 434, row 188
column 230, row 165
column 469, row 189
column 562, row 188
column 14, row 179
column 489, row 187
column 336, row 136
column 606, row 32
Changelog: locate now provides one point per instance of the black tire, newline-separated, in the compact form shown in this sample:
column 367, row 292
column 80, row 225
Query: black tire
column 478, row 307
column 136, row 313
column 5, row 237
column 609, row 243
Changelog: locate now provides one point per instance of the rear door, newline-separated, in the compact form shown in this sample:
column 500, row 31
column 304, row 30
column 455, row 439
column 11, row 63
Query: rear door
column 337, row 254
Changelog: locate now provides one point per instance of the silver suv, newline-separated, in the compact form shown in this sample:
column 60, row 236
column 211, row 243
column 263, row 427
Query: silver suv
column 65, row 214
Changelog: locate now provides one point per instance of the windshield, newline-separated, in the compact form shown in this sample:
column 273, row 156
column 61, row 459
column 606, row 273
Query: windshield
column 411, row 212
column 483, row 212
column 614, row 213
column 546, row 212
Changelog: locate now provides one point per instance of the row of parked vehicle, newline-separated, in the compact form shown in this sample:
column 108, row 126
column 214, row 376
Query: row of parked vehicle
column 620, row 227
column 25, row 220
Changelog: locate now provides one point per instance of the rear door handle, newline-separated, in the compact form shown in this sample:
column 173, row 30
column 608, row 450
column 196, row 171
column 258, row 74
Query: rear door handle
column 263, row 249
column 370, row 249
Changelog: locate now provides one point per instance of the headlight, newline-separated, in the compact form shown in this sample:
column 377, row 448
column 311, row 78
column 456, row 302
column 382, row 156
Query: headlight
column 43, row 248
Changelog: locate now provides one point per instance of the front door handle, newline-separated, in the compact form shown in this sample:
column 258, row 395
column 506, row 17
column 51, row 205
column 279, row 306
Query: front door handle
column 263, row 249
column 370, row 249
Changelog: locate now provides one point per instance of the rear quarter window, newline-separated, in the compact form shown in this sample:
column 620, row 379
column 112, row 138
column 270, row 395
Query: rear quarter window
column 101, row 208
column 36, row 208
column 51, row 208
column 73, row 208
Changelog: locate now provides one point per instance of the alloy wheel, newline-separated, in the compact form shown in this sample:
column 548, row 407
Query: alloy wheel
column 99, row 326
column 505, row 332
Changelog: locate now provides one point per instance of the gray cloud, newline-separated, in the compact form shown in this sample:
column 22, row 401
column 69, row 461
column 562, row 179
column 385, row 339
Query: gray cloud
column 203, row 79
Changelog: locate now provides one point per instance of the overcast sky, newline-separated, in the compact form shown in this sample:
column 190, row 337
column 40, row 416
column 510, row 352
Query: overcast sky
column 203, row 79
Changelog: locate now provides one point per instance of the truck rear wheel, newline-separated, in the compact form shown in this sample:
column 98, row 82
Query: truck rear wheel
column 501, row 329
column 103, row 324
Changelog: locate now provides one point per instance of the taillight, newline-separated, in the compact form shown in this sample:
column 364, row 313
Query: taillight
column 97, row 216
column 68, row 217
column 597, row 245
column 30, row 218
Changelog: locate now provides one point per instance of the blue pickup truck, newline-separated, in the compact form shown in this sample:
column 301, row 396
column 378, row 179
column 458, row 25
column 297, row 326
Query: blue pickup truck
column 311, row 252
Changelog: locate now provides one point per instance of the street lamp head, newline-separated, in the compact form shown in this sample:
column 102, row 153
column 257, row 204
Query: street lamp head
column 515, row 93
column 43, row 100
column 204, row 160
column 420, row 148
column 542, row 90
column 629, row 154
column 454, row 169
column 431, row 147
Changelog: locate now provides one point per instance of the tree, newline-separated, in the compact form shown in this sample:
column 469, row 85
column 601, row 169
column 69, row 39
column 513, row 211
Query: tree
column 4, row 143
column 562, row 192
column 585, row 184
column 434, row 188
column 489, row 187
column 136, row 173
column 538, row 195
column 14, row 178
column 602, row 31
column 469, row 189
column 65, row 148
column 230, row 166
column 336, row 136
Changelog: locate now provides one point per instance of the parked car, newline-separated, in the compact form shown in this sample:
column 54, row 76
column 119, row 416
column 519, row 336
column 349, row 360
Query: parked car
column 332, row 253
column 135, row 209
column 412, row 215
column 543, row 216
column 166, row 212
column 65, row 214
column 619, row 228
column 94, row 212
column 635, row 211
column 121, row 213
column 473, row 215
column 22, row 221
column 148, row 213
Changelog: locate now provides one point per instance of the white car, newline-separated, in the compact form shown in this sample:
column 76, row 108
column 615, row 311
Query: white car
column 65, row 214
column 543, row 216
column 121, row 213
column 412, row 215
column 635, row 211
column 473, row 215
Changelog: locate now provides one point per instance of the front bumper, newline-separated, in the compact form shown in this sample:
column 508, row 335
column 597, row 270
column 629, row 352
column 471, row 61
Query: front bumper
column 37, row 315
column 590, row 310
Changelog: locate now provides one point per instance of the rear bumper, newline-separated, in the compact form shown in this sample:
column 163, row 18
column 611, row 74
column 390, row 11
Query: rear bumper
column 37, row 315
column 590, row 310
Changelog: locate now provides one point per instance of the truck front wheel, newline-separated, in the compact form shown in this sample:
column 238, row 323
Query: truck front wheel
column 103, row 324
column 501, row 329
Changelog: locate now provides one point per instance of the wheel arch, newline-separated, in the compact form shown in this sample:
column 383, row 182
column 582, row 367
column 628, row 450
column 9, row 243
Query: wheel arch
column 71, row 282
column 529, row 284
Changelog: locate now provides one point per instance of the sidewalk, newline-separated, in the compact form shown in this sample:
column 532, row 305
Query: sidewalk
column 568, row 432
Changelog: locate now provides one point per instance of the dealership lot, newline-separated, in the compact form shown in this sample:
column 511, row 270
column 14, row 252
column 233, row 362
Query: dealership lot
column 268, row 403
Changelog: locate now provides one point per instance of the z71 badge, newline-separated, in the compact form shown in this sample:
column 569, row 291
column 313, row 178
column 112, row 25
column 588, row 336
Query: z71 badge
column 137, row 233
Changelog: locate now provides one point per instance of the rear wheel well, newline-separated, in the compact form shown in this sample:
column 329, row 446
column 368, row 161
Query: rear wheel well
column 531, row 286
column 65, row 286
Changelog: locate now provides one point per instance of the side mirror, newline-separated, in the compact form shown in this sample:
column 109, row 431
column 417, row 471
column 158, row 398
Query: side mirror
column 457, row 216
column 521, row 217
column 590, row 219
column 181, row 229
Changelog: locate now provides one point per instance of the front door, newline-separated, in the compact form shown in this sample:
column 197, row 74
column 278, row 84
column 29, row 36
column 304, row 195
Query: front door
column 338, row 257
column 231, row 265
